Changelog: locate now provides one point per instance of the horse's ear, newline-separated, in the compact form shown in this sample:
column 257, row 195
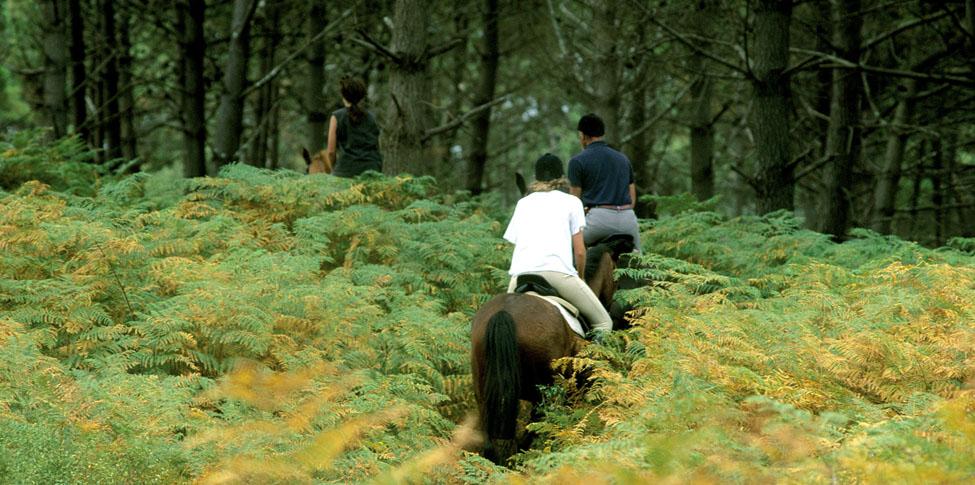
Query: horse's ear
column 306, row 155
column 520, row 182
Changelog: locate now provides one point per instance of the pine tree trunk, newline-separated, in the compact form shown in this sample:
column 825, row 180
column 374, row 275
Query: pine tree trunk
column 192, row 44
column 843, row 138
column 702, row 141
column 127, row 96
column 230, row 114
column 606, row 72
column 937, row 189
column 807, row 198
column 770, row 118
column 79, row 76
column 266, row 101
column 97, row 93
column 885, row 195
column 4, row 98
column 56, row 55
column 952, row 201
column 702, row 133
column 638, row 148
column 110, row 80
column 408, row 113
column 970, row 26
column 455, row 99
column 824, row 77
column 490, row 56
column 314, row 90
column 274, row 158
column 919, row 176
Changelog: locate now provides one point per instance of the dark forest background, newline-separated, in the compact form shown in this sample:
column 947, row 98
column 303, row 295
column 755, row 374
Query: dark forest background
column 851, row 113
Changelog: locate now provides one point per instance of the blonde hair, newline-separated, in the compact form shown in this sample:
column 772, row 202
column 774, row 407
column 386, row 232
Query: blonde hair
column 549, row 185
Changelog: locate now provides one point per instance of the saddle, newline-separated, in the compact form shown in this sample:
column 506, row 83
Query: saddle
column 618, row 243
column 531, row 284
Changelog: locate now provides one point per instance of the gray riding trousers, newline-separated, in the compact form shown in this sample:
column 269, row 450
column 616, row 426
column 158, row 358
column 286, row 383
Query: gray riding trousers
column 602, row 222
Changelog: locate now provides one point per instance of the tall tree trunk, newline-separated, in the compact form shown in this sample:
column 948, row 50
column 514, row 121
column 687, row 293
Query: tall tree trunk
column 56, row 54
column 490, row 55
column 638, row 148
column 110, row 108
column 702, row 141
column 97, row 89
column 702, row 132
column 455, row 102
column 606, row 70
column 639, row 145
column 885, row 195
column 408, row 112
column 274, row 157
column 4, row 98
column 824, row 77
column 970, row 26
column 770, row 118
column 919, row 176
column 192, row 44
column 952, row 201
column 230, row 114
column 78, row 73
column 808, row 197
column 314, row 90
column 937, row 189
column 843, row 139
column 127, row 96
column 266, row 99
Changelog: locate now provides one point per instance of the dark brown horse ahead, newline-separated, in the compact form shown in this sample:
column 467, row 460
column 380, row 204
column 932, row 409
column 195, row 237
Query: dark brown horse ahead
column 514, row 339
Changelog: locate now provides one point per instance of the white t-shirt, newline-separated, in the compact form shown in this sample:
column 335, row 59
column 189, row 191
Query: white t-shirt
column 541, row 230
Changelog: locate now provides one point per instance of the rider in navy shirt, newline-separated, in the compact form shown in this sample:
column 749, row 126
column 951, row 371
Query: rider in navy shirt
column 603, row 178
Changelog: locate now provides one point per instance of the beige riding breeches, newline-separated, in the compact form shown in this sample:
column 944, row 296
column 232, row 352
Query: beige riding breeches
column 573, row 289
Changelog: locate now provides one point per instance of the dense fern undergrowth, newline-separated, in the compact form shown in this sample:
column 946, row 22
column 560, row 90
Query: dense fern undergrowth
column 270, row 327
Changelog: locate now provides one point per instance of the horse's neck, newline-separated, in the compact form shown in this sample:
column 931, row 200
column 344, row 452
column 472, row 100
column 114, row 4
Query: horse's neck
column 601, row 281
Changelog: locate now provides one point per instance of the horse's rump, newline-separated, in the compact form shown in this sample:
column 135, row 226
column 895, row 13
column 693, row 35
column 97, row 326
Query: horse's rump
column 541, row 333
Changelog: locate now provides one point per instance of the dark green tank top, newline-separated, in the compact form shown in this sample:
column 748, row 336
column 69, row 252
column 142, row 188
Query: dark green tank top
column 358, row 145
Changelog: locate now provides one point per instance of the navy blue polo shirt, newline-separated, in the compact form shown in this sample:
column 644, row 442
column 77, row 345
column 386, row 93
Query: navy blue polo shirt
column 604, row 175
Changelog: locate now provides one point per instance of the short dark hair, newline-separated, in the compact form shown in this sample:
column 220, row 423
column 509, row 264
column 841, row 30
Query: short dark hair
column 548, row 167
column 592, row 125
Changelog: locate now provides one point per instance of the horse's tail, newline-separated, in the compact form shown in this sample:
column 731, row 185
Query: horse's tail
column 502, row 377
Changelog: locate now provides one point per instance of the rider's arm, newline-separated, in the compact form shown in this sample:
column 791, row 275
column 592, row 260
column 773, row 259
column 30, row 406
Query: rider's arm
column 579, row 251
column 633, row 195
column 576, row 191
column 333, row 126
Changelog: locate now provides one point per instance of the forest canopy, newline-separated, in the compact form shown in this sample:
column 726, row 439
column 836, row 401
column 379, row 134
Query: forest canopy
column 850, row 113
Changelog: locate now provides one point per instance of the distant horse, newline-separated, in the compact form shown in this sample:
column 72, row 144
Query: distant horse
column 316, row 164
column 514, row 339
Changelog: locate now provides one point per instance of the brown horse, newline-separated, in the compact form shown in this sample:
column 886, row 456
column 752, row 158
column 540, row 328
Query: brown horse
column 515, row 338
column 316, row 164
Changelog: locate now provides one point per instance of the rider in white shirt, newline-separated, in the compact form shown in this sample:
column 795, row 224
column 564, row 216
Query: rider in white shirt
column 546, row 230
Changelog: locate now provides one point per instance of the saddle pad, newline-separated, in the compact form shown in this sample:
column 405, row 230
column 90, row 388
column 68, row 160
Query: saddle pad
column 570, row 319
